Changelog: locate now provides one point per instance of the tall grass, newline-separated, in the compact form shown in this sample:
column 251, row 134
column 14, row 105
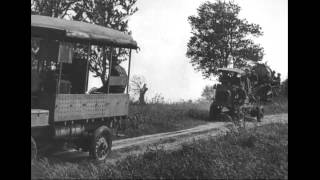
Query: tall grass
column 157, row 118
column 165, row 117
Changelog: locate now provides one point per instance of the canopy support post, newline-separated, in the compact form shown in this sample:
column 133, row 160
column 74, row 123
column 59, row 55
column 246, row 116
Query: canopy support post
column 60, row 73
column 110, row 69
column 87, row 68
column 129, row 66
column 59, row 79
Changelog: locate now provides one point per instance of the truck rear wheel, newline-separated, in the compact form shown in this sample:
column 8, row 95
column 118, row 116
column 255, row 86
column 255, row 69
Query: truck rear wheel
column 33, row 149
column 101, row 143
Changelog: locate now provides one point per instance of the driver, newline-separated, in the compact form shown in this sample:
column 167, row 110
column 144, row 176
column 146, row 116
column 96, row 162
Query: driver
column 235, row 79
column 116, row 70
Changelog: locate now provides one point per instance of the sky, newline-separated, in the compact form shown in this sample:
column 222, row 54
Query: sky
column 162, row 32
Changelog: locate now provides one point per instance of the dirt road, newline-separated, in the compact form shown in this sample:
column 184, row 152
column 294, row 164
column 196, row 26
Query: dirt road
column 168, row 141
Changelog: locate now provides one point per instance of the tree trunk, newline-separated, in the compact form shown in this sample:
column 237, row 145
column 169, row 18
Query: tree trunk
column 103, row 80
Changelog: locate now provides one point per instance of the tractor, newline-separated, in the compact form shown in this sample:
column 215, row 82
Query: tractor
column 234, row 99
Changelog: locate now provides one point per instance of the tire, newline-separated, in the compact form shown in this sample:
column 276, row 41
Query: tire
column 33, row 149
column 101, row 143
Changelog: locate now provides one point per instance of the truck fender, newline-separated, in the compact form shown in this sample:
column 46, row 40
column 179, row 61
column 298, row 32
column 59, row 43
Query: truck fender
column 100, row 129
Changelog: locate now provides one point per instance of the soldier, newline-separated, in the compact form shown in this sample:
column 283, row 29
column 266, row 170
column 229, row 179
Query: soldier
column 247, row 81
column 273, row 74
column 254, row 78
column 235, row 80
column 116, row 70
column 142, row 93
column 278, row 79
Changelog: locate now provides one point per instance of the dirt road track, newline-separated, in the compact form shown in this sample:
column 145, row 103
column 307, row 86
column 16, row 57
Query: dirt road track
column 168, row 141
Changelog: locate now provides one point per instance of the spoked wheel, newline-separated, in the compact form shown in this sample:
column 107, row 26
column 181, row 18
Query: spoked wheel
column 101, row 143
column 33, row 149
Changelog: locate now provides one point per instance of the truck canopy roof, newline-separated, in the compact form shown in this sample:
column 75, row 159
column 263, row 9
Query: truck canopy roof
column 44, row 26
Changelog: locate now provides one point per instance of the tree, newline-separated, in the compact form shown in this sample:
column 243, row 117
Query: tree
column 56, row 8
column 220, row 38
column 138, row 87
column 108, row 13
column 208, row 93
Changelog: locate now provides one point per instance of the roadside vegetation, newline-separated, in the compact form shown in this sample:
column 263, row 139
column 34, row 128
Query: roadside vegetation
column 257, row 153
column 165, row 117
column 261, row 151
column 278, row 105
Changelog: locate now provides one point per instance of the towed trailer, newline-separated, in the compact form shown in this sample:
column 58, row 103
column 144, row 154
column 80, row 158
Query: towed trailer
column 61, row 110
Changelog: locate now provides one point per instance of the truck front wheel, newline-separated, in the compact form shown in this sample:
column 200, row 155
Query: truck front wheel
column 33, row 149
column 101, row 143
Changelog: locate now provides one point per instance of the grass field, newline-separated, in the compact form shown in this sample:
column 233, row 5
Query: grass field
column 158, row 118
column 162, row 117
column 257, row 153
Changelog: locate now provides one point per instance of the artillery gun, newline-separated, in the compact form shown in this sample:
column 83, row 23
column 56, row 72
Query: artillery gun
column 264, row 84
column 242, row 92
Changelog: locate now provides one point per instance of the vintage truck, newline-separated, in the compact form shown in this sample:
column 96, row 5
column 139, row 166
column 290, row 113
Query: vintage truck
column 61, row 110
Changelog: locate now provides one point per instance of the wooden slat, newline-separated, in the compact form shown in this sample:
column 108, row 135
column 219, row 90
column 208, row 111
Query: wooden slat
column 87, row 106
column 39, row 117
